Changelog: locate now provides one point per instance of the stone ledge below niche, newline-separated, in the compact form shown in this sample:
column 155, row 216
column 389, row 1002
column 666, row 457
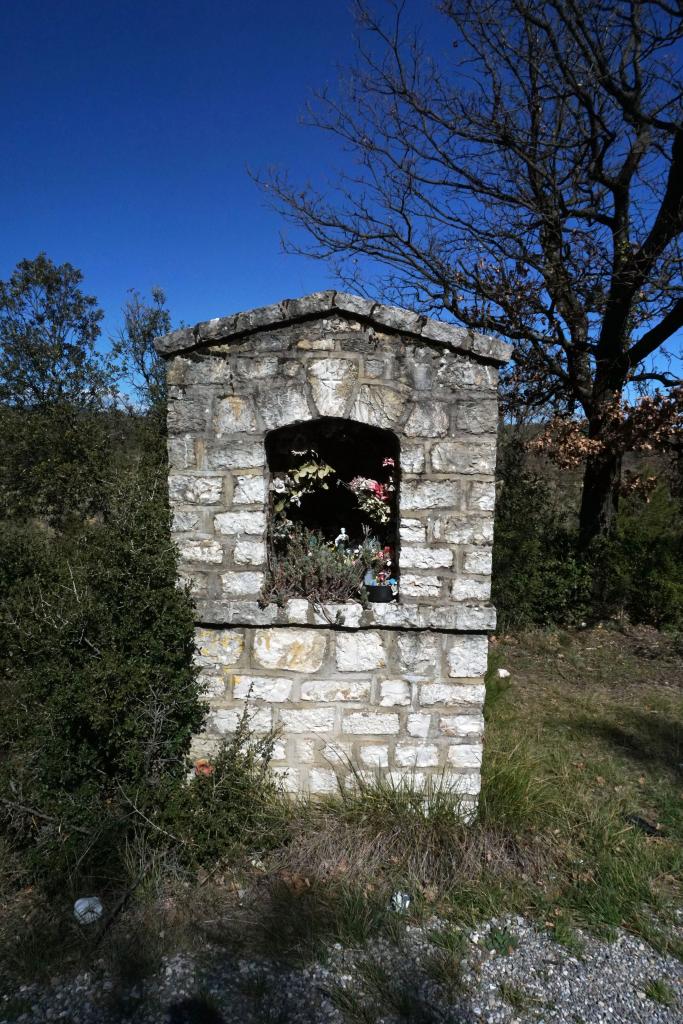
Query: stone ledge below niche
column 456, row 616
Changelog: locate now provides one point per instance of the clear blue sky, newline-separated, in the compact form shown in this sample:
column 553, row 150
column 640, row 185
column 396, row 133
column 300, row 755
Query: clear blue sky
column 127, row 128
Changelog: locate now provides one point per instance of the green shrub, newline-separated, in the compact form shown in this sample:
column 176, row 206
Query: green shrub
column 538, row 576
column 99, row 698
column 642, row 567
column 234, row 805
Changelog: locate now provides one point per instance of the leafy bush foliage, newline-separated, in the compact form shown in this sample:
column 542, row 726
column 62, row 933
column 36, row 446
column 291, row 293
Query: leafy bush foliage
column 538, row 576
column 233, row 803
column 541, row 578
column 642, row 567
column 99, row 700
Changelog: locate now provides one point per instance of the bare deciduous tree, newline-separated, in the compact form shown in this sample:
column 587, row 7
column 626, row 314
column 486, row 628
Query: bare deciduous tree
column 532, row 186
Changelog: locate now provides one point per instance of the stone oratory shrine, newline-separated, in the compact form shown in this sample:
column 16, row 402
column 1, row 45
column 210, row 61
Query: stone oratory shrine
column 332, row 488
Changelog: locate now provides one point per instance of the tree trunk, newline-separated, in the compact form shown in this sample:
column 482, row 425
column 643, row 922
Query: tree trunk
column 600, row 498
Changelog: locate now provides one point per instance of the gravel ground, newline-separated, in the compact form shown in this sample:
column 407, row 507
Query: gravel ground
column 525, row 977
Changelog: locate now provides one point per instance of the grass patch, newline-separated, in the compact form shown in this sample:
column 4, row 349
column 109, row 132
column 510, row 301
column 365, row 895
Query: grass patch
column 517, row 997
column 501, row 941
column 660, row 991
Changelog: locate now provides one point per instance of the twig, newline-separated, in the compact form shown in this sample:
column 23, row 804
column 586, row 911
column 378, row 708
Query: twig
column 41, row 815
column 176, row 839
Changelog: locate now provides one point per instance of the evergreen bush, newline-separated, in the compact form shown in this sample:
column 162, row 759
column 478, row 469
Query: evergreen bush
column 100, row 698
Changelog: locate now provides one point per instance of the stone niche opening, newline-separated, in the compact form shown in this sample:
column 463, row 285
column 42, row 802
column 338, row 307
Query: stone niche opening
column 395, row 688
column 354, row 452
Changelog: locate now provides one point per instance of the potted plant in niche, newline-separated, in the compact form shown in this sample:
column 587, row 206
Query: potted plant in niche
column 380, row 585
column 305, row 558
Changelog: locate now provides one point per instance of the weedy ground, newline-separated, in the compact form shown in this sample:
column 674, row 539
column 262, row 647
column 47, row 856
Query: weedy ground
column 580, row 826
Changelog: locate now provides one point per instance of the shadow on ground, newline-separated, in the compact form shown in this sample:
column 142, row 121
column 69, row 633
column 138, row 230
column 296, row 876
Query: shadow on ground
column 645, row 737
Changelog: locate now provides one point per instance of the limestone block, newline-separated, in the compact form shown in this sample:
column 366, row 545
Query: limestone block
column 419, row 653
column 204, row 370
column 412, row 458
column 195, row 490
column 370, row 723
column 287, row 777
column 250, row 552
column 237, row 455
column 478, row 530
column 279, row 752
column 332, row 382
column 181, row 452
column 452, row 693
column 196, row 581
column 184, row 521
column 416, row 755
column 420, row 369
column 464, row 457
column 316, row 344
column 335, row 690
column 218, row 647
column 455, row 372
column 347, row 614
column 426, row 558
column 467, row 656
column 279, row 406
column 211, row 686
column 465, row 589
column 296, row 610
column 436, row 616
column 292, row 370
column 418, row 725
column 188, row 415
column 412, row 531
column 267, row 688
column 234, row 415
column 248, row 613
column 203, row 549
column 381, row 365
column 225, row 720
column 393, row 614
column 465, row 755
column 322, row 781
column 394, row 692
column 241, row 582
column 374, row 755
column 304, row 750
column 236, row 523
column 249, row 368
column 296, row 650
column 478, row 561
column 461, row 725
column 465, row 784
column 338, row 753
column 249, row 490
column 474, row 617
column 479, row 416
column 377, row 405
column 427, row 419
column 360, row 652
column 483, row 495
column 416, row 780
column 426, row 494
column 420, row 586
column 315, row 720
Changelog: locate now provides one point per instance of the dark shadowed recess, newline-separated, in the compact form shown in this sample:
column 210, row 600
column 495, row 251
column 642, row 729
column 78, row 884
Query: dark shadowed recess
column 352, row 449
